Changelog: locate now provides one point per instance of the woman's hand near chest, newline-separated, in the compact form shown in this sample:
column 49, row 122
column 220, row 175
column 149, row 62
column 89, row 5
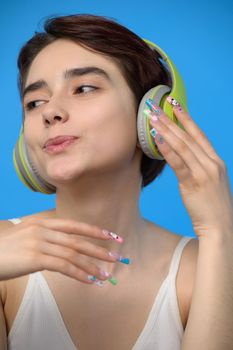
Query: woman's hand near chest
column 60, row 245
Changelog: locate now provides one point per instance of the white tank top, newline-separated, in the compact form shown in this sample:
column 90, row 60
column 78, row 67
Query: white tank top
column 38, row 324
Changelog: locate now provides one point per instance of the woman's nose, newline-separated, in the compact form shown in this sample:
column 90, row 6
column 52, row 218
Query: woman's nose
column 52, row 114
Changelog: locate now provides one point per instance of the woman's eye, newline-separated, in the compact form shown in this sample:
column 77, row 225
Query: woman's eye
column 85, row 88
column 33, row 104
column 81, row 89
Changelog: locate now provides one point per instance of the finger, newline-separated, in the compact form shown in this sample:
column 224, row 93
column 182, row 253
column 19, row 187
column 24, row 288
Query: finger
column 70, row 256
column 203, row 158
column 75, row 227
column 192, row 128
column 173, row 159
column 209, row 165
column 61, row 239
column 52, row 263
column 182, row 151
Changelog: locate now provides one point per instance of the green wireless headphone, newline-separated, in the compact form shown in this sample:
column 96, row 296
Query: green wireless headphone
column 29, row 175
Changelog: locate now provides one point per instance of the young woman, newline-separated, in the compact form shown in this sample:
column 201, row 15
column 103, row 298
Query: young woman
column 92, row 273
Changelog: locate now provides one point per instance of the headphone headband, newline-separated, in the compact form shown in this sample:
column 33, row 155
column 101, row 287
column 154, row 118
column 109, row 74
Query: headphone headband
column 178, row 87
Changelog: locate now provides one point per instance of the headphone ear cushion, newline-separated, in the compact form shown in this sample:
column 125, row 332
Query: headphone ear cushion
column 144, row 129
column 26, row 171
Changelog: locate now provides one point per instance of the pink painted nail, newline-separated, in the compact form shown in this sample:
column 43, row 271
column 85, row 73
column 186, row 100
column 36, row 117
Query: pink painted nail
column 173, row 101
column 113, row 236
column 105, row 273
column 154, row 118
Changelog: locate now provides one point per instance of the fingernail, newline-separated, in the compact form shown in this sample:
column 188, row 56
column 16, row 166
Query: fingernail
column 96, row 281
column 154, row 118
column 91, row 278
column 113, row 236
column 120, row 258
column 147, row 112
column 160, row 138
column 153, row 107
column 174, row 103
column 99, row 283
column 113, row 280
column 153, row 132
column 105, row 273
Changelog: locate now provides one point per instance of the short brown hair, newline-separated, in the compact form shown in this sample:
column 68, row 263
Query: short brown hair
column 140, row 66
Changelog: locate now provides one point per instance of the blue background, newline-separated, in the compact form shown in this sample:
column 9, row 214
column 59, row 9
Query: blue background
column 197, row 35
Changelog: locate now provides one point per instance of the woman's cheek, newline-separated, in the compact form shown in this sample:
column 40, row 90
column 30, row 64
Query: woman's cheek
column 120, row 137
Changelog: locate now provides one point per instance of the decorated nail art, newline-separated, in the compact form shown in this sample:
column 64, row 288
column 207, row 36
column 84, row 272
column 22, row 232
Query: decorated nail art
column 113, row 236
column 113, row 280
column 154, row 118
column 105, row 273
column 96, row 281
column 160, row 139
column 174, row 103
column 147, row 112
column 153, row 132
column 120, row 258
column 153, row 107
column 99, row 283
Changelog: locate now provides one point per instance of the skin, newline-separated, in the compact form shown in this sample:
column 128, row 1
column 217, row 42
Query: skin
column 84, row 173
column 98, row 180
column 203, row 183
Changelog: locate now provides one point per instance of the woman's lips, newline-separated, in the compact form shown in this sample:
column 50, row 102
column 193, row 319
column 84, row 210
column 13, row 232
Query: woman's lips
column 52, row 149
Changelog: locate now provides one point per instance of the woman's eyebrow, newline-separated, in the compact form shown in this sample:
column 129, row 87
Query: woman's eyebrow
column 74, row 72
column 34, row 86
column 69, row 74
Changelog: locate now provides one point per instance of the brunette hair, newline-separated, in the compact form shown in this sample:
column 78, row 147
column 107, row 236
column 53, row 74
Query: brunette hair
column 139, row 64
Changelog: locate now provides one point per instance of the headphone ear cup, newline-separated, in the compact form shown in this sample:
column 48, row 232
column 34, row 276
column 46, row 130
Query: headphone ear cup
column 144, row 129
column 26, row 171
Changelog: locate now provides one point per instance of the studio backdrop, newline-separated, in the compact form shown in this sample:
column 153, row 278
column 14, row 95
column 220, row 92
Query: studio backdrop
column 197, row 36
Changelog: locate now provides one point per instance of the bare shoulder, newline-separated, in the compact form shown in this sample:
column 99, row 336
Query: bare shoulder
column 5, row 224
column 40, row 215
column 43, row 214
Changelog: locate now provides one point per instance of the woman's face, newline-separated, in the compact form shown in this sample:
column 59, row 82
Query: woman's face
column 97, row 108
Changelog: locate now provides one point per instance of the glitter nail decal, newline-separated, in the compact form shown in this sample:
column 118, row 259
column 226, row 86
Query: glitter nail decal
column 172, row 101
column 153, row 132
column 113, row 236
column 160, row 139
column 153, row 107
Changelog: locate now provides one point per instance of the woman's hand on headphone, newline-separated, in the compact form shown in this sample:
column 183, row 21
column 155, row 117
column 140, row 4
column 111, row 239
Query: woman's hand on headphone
column 203, row 179
column 59, row 245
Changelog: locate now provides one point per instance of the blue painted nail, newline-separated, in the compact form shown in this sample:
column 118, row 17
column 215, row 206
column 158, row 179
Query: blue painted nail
column 125, row 260
column 153, row 107
column 120, row 258
column 91, row 278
